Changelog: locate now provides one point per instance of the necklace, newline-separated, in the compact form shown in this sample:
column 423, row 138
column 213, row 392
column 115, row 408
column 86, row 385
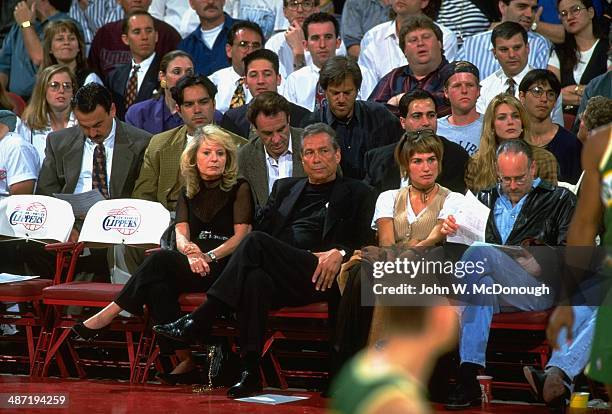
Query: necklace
column 424, row 193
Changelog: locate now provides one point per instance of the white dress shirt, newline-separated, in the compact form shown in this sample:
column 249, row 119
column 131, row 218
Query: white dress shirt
column 18, row 162
column 281, row 168
column 279, row 45
column 301, row 86
column 142, row 71
column 84, row 183
column 227, row 81
column 171, row 11
column 38, row 137
column 497, row 83
column 380, row 51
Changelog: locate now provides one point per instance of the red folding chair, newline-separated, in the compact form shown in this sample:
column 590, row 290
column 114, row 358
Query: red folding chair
column 121, row 221
column 33, row 219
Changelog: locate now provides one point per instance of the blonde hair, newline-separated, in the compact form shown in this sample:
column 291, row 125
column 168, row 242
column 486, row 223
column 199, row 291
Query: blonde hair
column 483, row 163
column 36, row 114
column 189, row 168
column 59, row 26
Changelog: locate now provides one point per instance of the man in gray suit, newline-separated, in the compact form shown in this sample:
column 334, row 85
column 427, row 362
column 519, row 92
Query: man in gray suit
column 101, row 153
column 275, row 152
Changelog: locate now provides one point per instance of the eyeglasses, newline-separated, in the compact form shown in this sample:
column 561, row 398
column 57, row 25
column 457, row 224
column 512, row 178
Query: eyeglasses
column 244, row 45
column 55, row 86
column 538, row 91
column 573, row 11
column 294, row 5
column 508, row 180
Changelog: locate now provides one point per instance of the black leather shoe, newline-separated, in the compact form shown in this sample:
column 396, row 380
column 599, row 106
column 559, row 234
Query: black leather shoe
column 535, row 378
column 464, row 397
column 249, row 385
column 182, row 329
column 86, row 333
column 190, row 377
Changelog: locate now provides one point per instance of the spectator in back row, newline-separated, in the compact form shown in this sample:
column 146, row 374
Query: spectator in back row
column 108, row 50
column 160, row 113
column 136, row 81
column 92, row 15
column 380, row 52
column 243, row 38
column 302, row 87
column 358, row 17
column 22, row 51
column 359, row 125
column 421, row 40
column 206, row 44
column 261, row 75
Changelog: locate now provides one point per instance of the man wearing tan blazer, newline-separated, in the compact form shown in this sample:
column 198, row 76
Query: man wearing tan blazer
column 159, row 178
column 275, row 152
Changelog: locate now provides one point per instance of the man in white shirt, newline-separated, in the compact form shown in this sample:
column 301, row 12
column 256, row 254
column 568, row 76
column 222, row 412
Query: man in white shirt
column 137, row 80
column 302, row 86
column 461, row 86
column 511, row 50
column 289, row 45
column 477, row 48
column 243, row 38
column 18, row 159
column 380, row 50
column 275, row 153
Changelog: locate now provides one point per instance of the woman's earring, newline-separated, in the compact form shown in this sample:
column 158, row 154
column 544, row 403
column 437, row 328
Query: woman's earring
column 163, row 84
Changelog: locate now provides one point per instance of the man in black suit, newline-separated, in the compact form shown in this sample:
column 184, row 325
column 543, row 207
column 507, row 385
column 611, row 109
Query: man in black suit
column 136, row 81
column 308, row 228
column 261, row 75
column 100, row 153
column 417, row 111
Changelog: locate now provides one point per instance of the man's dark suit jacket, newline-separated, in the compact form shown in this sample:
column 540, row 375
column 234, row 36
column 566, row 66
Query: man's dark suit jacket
column 382, row 172
column 64, row 156
column 348, row 219
column 235, row 120
column 117, row 83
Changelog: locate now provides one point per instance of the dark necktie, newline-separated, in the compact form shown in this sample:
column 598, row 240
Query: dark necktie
column 511, row 86
column 319, row 97
column 98, row 173
column 132, row 87
column 238, row 97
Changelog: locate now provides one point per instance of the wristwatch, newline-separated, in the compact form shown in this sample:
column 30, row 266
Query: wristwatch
column 26, row 24
column 212, row 255
column 342, row 252
column 534, row 26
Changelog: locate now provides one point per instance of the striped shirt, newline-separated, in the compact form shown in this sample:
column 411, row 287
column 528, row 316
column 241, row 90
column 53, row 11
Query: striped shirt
column 97, row 14
column 463, row 18
column 477, row 50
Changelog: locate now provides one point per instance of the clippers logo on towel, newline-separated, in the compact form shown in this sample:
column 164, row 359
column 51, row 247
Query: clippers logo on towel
column 31, row 216
column 125, row 220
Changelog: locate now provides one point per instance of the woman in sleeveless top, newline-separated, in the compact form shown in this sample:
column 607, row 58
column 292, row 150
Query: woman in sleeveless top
column 214, row 213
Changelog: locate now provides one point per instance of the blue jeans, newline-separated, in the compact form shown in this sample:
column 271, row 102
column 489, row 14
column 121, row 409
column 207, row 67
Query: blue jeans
column 476, row 319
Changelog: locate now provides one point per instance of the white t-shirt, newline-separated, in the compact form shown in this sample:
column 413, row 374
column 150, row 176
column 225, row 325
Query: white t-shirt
column 209, row 36
column 583, row 61
column 386, row 202
column 18, row 162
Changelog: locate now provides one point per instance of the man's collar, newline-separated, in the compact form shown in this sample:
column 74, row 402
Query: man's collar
column 145, row 63
column 517, row 78
column 390, row 30
column 330, row 118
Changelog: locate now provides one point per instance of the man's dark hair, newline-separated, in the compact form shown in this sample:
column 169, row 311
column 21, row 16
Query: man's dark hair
column 507, row 30
column 125, row 25
column 515, row 146
column 268, row 103
column 413, row 23
column 414, row 95
column 61, row 5
column 536, row 76
column 264, row 54
column 243, row 24
column 339, row 68
column 320, row 18
column 89, row 96
column 192, row 80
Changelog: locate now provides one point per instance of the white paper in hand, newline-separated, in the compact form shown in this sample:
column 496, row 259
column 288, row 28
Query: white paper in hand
column 471, row 216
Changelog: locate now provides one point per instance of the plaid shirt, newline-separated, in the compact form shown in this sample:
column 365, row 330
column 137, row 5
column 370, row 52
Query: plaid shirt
column 546, row 164
column 402, row 80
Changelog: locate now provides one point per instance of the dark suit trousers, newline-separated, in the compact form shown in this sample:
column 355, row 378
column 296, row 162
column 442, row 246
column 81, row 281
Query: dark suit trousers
column 265, row 273
column 157, row 283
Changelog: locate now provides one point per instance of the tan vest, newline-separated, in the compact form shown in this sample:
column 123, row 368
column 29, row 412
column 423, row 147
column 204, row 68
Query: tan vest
column 424, row 223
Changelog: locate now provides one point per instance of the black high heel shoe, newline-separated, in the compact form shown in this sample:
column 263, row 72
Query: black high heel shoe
column 182, row 329
column 190, row 377
column 86, row 333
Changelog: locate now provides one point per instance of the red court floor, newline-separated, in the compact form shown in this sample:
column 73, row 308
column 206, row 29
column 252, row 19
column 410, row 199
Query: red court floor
column 96, row 396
